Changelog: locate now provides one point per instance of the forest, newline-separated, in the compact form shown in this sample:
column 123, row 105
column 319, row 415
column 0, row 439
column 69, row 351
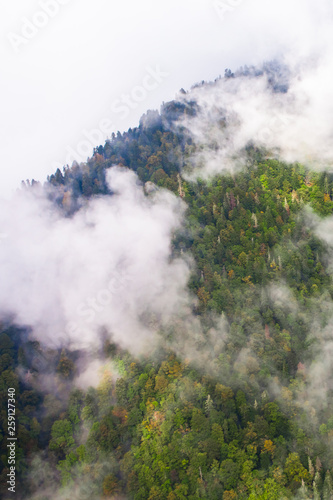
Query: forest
column 242, row 411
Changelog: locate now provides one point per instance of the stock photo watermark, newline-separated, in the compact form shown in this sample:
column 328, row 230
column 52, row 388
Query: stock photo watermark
column 11, row 438
column 225, row 7
column 122, row 106
column 30, row 28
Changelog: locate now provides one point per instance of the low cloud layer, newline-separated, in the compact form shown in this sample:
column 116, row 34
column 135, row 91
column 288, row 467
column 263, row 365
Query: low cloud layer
column 108, row 269
column 296, row 124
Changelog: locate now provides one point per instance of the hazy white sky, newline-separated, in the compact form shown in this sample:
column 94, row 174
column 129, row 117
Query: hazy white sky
column 66, row 65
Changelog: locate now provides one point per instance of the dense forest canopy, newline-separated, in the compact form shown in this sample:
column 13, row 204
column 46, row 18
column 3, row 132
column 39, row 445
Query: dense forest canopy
column 235, row 399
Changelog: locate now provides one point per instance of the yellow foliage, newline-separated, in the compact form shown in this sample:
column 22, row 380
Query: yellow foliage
column 172, row 368
column 224, row 392
column 160, row 383
column 269, row 447
column 229, row 495
column 247, row 280
column 203, row 295
column 149, row 384
column 279, row 476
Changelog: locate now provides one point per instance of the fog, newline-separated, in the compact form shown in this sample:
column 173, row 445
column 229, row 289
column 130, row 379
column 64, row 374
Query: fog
column 64, row 75
column 107, row 270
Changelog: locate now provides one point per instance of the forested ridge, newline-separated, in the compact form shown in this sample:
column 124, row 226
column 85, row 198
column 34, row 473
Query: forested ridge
column 243, row 423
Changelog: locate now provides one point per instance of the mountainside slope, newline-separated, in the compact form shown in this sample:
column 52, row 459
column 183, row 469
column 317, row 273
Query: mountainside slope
column 234, row 400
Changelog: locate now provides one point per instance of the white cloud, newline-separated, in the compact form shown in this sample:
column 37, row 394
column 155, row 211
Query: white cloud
column 65, row 80
column 297, row 125
column 109, row 266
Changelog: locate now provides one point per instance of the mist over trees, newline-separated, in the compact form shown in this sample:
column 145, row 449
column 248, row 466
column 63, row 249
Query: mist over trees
column 233, row 399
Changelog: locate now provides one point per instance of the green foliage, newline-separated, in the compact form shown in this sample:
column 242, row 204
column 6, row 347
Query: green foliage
column 61, row 437
column 230, row 427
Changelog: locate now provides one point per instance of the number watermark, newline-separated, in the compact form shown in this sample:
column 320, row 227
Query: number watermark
column 11, row 419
